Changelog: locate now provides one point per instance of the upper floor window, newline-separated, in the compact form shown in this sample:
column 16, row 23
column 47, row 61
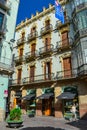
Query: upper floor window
column 1, row 19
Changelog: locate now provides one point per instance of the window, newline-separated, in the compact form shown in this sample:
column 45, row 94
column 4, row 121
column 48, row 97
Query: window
column 1, row 19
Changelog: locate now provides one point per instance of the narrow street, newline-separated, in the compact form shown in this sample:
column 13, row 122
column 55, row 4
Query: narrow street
column 47, row 123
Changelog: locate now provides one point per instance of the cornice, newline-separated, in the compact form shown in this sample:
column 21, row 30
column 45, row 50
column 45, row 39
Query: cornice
column 36, row 17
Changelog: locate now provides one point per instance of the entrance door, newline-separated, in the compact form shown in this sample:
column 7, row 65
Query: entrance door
column 47, row 107
column 67, row 66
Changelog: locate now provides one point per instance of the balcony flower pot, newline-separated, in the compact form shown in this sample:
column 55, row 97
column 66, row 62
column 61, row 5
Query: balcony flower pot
column 14, row 120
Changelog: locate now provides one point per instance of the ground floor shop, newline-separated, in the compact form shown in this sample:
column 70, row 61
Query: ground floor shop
column 55, row 100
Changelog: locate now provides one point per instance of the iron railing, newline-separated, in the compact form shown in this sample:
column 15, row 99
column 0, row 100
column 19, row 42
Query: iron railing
column 64, row 44
column 80, row 33
column 33, row 79
column 79, row 7
column 32, row 35
column 31, row 55
column 46, row 29
column 82, row 70
column 46, row 49
column 18, row 59
column 21, row 41
column 66, row 74
column 66, row 21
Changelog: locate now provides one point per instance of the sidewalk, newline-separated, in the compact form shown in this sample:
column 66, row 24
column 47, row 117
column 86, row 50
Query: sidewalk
column 47, row 123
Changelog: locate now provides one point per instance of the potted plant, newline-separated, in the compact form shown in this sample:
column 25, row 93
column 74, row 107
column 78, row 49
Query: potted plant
column 14, row 119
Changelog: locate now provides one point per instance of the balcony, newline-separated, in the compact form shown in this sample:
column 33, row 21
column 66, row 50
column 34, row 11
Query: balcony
column 64, row 45
column 21, row 41
column 66, row 74
column 16, row 82
column 46, row 50
column 60, row 25
column 82, row 70
column 30, row 56
column 32, row 36
column 80, row 33
column 5, row 66
column 46, row 29
column 5, row 4
column 39, row 78
column 18, row 60
column 79, row 8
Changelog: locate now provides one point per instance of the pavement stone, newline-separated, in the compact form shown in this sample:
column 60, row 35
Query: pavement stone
column 47, row 123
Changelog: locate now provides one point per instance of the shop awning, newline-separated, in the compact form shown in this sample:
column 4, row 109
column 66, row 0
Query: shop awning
column 66, row 95
column 28, row 97
column 45, row 96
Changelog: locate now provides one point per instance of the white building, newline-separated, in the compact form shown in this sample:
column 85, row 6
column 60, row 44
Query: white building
column 46, row 65
column 8, row 15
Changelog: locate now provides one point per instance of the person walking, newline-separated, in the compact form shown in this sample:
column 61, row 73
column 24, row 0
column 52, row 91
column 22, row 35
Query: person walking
column 73, row 110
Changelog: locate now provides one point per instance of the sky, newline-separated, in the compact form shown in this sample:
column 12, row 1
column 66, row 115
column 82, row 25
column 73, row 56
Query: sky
column 28, row 7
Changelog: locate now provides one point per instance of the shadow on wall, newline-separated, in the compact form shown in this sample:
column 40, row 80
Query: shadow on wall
column 81, row 123
column 41, row 128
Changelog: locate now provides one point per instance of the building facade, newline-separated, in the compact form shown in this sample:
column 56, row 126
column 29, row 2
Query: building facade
column 8, row 13
column 50, row 62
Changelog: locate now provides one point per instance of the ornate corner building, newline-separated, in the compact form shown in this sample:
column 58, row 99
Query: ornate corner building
column 8, row 13
column 50, row 59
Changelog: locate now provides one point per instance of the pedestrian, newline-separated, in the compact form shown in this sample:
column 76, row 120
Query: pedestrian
column 73, row 110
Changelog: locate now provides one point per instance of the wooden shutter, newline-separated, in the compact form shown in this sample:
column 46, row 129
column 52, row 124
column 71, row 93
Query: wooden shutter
column 47, row 70
column 19, row 75
column 33, row 48
column 47, row 43
column 32, row 71
column 65, row 40
column 67, row 66
column 21, row 52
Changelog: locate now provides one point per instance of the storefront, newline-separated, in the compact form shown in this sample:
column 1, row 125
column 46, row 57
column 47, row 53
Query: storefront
column 47, row 98
column 30, row 102
column 69, row 97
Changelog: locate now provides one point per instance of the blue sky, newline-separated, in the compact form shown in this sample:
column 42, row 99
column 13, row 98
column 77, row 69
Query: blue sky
column 28, row 7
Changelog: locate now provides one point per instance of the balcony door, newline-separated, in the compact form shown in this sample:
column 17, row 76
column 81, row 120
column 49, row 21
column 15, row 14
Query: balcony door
column 65, row 40
column 47, row 70
column 32, row 73
column 67, row 66
column 23, row 35
column 47, row 44
column 19, row 76
column 33, row 48
column 21, row 52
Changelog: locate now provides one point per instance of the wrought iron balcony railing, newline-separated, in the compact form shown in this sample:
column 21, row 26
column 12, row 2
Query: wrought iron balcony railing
column 59, row 24
column 46, row 29
column 32, row 35
column 34, row 79
column 80, row 33
column 19, row 59
column 38, row 78
column 5, row 4
column 66, row 74
column 31, row 55
column 82, row 70
column 21, row 41
column 16, row 82
column 64, row 45
column 79, row 8
column 46, row 49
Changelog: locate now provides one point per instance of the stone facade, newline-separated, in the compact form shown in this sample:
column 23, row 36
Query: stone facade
column 49, row 58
